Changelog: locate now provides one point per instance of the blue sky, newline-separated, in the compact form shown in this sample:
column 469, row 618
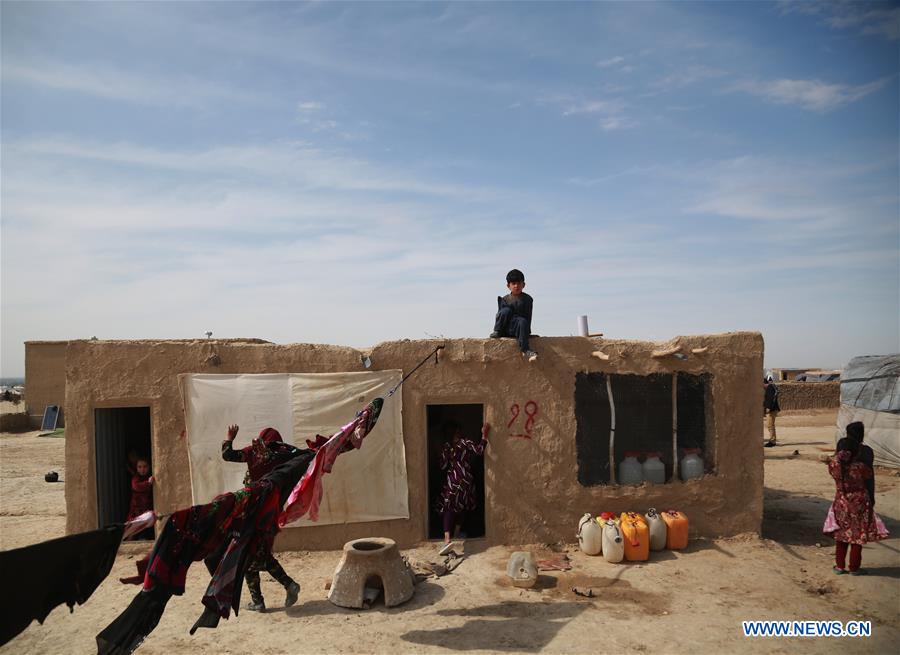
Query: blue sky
column 352, row 173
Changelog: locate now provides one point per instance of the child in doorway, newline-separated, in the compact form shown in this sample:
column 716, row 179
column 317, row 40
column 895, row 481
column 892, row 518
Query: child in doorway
column 514, row 314
column 141, row 494
column 458, row 491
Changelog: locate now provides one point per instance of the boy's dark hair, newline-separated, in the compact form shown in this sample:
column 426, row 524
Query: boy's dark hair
column 515, row 275
column 856, row 430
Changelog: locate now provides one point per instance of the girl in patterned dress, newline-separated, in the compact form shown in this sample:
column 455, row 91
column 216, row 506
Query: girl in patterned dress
column 458, row 492
column 854, row 522
column 263, row 455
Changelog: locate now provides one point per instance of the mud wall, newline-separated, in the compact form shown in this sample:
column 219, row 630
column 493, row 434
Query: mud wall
column 809, row 395
column 531, row 485
column 14, row 422
column 45, row 379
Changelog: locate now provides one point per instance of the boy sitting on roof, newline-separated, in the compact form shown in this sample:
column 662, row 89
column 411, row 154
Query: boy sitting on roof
column 514, row 313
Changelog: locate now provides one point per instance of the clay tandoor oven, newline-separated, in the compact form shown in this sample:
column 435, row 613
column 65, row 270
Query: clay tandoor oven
column 549, row 460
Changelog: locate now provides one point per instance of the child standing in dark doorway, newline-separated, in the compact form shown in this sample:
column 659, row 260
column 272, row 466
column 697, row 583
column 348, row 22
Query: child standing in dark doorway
column 458, row 492
column 514, row 313
column 141, row 494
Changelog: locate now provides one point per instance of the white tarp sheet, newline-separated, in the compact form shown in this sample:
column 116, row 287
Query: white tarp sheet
column 365, row 485
column 870, row 392
column 882, row 432
column 872, row 382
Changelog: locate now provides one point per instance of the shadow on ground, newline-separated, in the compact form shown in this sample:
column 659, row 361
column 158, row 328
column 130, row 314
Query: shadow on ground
column 794, row 519
column 882, row 571
column 510, row 626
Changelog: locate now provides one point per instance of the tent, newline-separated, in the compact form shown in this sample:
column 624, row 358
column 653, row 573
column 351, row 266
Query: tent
column 870, row 392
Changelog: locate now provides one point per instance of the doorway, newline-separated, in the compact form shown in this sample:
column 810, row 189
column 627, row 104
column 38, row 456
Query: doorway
column 121, row 436
column 470, row 417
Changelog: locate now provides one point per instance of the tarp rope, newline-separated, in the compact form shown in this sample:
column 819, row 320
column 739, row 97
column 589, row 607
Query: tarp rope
column 405, row 377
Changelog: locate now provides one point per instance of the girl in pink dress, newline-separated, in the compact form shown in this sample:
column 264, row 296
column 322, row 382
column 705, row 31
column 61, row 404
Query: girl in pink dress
column 852, row 520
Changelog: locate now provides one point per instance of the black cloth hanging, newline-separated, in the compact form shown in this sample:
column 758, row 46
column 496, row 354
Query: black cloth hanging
column 39, row 577
column 225, row 534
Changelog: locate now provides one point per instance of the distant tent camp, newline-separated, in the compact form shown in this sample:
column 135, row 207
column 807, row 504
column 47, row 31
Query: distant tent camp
column 870, row 392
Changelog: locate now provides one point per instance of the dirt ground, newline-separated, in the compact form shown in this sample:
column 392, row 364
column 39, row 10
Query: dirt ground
column 687, row 601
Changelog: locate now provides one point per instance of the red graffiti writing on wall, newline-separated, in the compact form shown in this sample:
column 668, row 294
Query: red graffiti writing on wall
column 531, row 412
column 514, row 410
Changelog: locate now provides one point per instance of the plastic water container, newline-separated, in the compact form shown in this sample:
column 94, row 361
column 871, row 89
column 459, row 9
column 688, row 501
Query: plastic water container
column 676, row 529
column 636, row 535
column 630, row 470
column 613, row 544
column 590, row 535
column 657, row 529
column 654, row 470
column 691, row 464
column 522, row 569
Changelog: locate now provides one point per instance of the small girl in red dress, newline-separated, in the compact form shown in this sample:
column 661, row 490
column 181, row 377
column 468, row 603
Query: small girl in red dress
column 852, row 520
column 141, row 495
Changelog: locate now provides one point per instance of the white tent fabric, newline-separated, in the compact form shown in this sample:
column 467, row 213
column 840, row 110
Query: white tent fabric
column 870, row 392
column 365, row 485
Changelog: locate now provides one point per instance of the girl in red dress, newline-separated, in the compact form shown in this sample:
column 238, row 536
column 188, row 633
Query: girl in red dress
column 141, row 495
column 854, row 522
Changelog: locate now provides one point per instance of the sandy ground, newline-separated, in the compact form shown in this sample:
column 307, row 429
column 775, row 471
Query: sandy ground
column 9, row 407
column 687, row 601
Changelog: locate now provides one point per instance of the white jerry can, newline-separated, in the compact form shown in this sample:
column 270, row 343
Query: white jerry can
column 590, row 535
column 613, row 545
column 654, row 469
column 630, row 469
column 521, row 569
column 691, row 464
column 657, row 530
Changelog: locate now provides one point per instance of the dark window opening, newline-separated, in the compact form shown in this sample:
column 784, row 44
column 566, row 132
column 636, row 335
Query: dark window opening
column 121, row 436
column 470, row 418
column 643, row 420
column 692, row 390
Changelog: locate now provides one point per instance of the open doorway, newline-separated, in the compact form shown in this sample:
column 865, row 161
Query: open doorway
column 470, row 419
column 121, row 436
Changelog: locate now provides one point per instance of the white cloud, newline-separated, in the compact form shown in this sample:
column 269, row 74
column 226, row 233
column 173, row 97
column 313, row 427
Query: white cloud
column 611, row 114
column 812, row 95
column 594, row 107
column 310, row 114
column 686, row 75
column 596, row 181
column 804, row 197
column 863, row 17
column 612, row 61
column 287, row 162
column 310, row 106
column 104, row 81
